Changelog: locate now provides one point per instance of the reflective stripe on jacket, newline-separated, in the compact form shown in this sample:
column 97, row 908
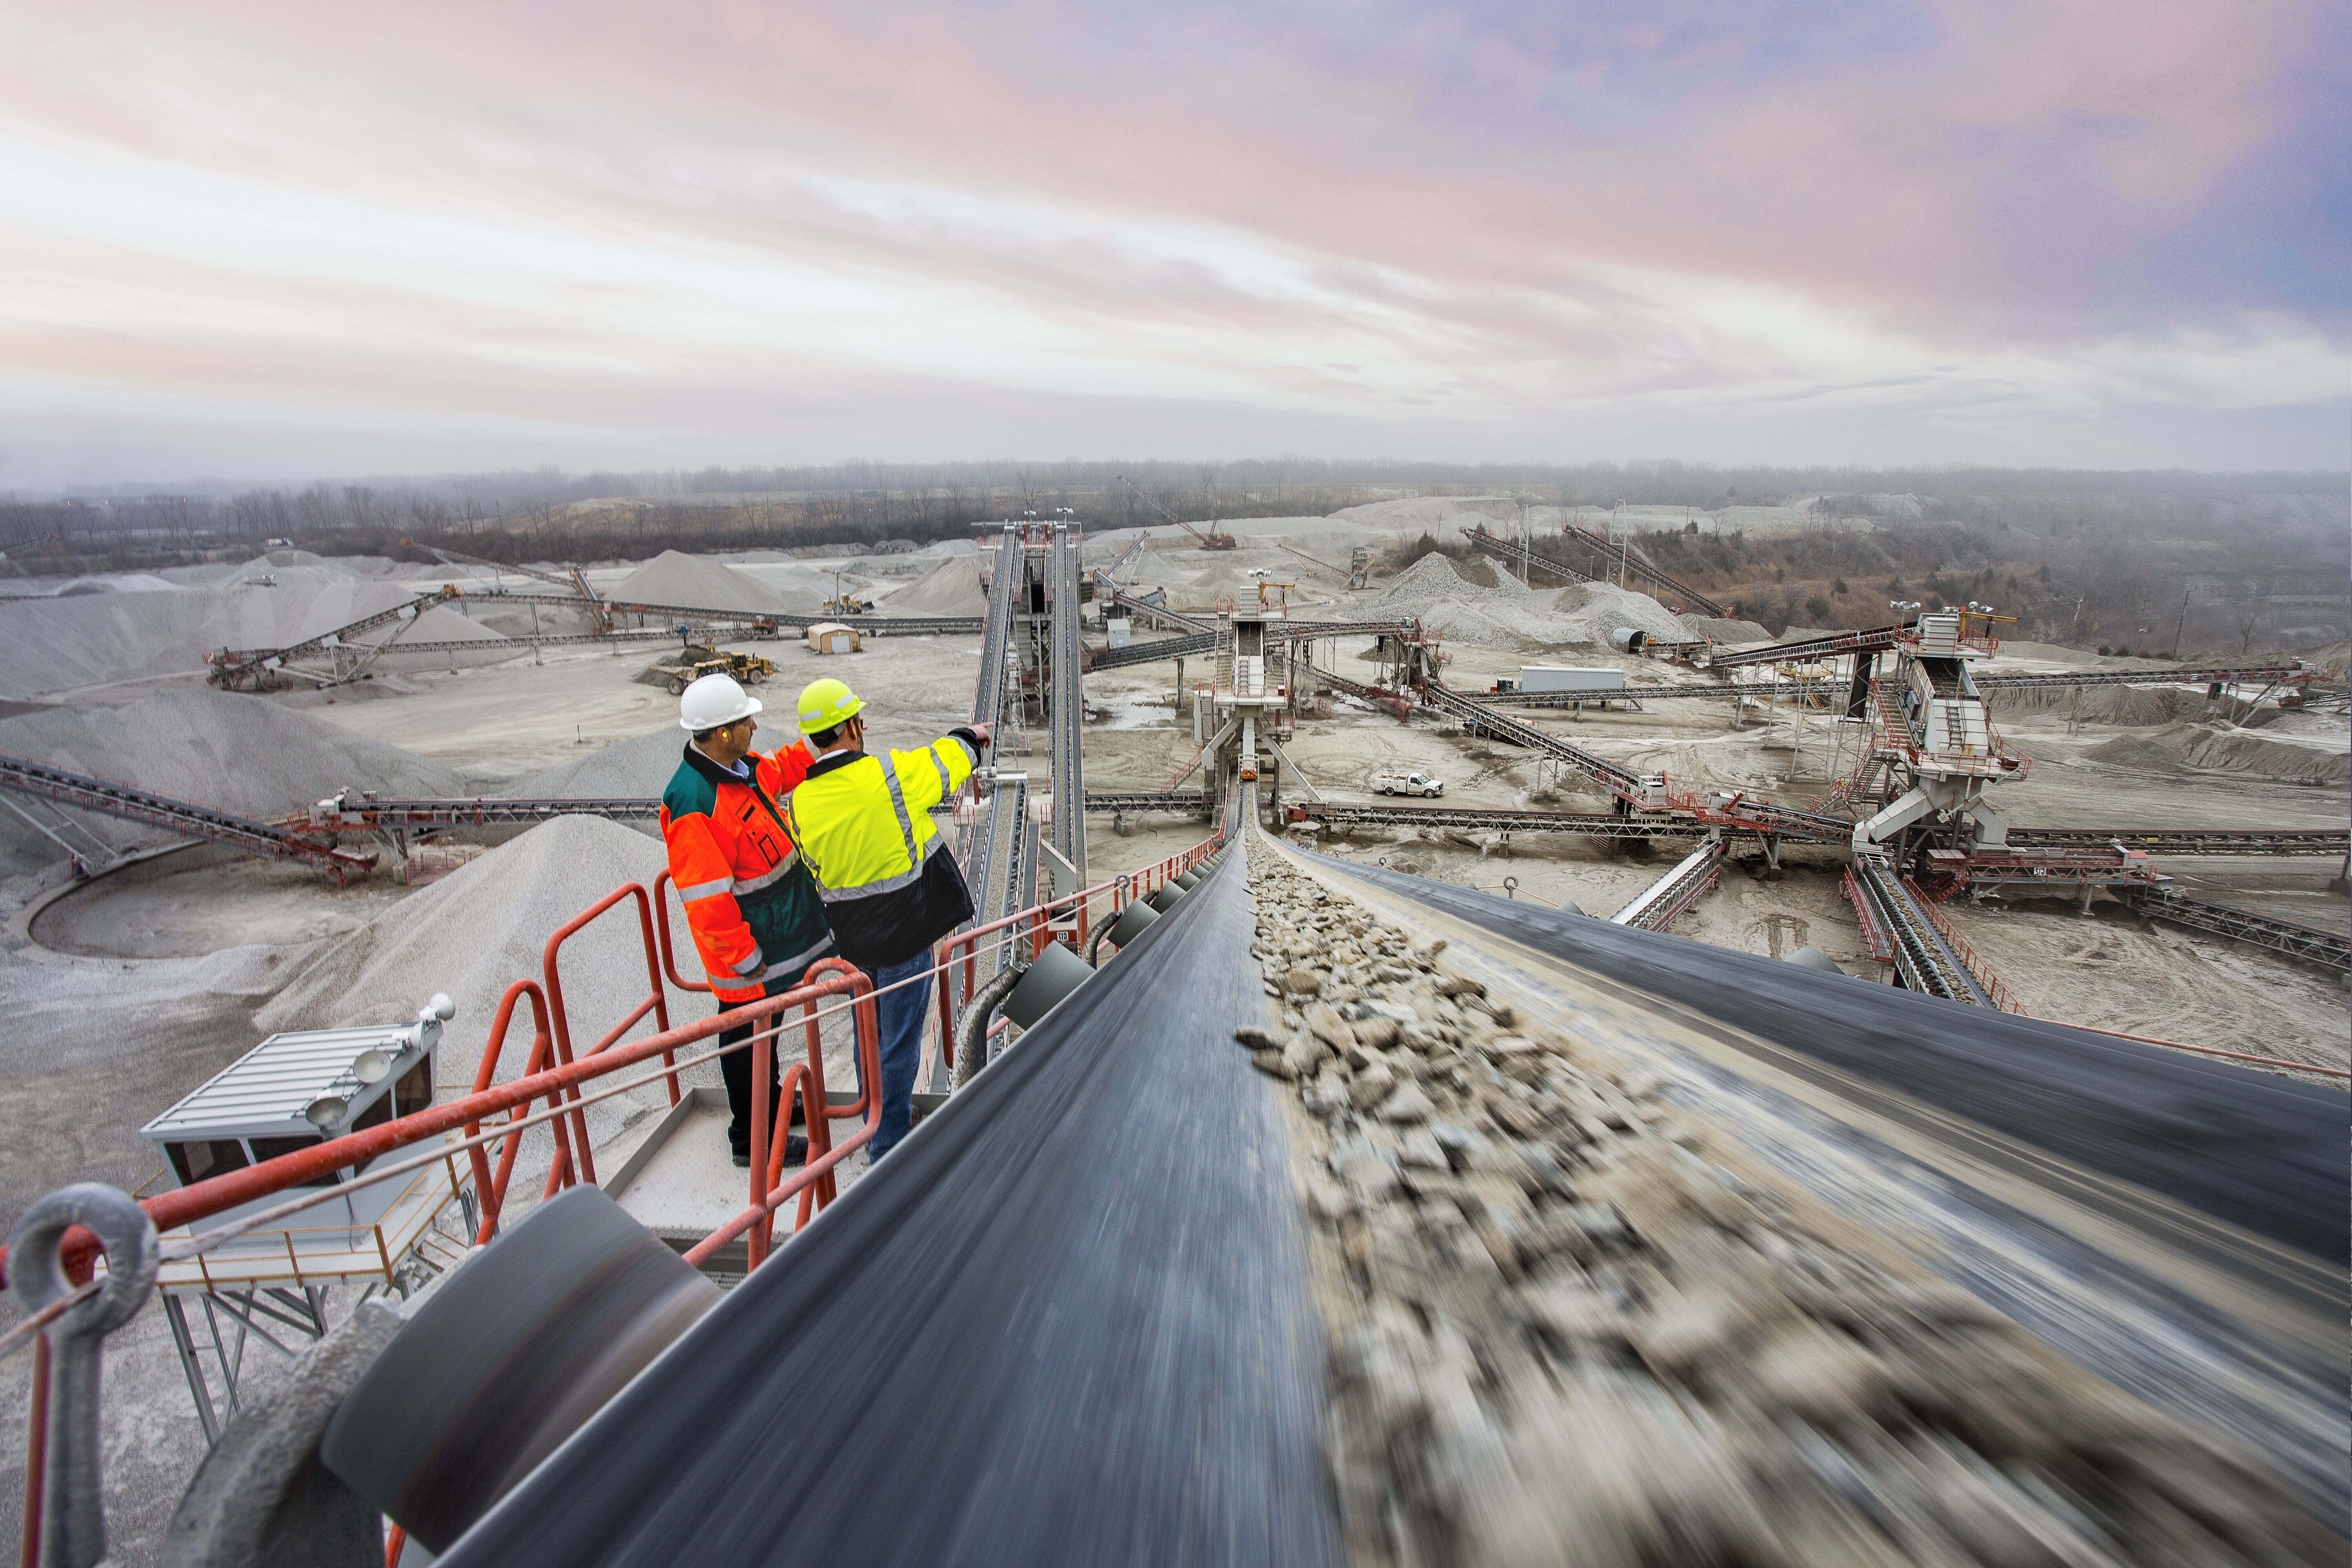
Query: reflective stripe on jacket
column 749, row 901
column 863, row 826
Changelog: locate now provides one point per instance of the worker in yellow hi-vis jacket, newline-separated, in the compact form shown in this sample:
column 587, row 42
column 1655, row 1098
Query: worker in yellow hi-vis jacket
column 889, row 886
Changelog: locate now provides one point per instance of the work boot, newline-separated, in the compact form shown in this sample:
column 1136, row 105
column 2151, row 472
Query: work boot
column 795, row 1151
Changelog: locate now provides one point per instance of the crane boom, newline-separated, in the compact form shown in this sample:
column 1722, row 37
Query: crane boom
column 1211, row 540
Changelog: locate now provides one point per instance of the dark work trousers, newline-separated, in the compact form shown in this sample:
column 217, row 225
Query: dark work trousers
column 735, row 1071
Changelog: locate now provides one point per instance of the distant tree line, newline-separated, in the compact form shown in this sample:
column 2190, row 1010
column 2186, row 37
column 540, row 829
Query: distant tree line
column 2079, row 556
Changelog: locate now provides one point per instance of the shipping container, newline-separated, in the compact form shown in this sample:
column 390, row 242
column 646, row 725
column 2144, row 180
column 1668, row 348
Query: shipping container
column 1569, row 678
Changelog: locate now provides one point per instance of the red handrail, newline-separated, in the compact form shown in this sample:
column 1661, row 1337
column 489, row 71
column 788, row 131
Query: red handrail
column 669, row 962
column 755, row 1219
column 1123, row 891
column 490, row 1191
column 654, row 1003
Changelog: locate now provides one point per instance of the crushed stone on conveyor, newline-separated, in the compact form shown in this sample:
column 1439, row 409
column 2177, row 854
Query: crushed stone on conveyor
column 1561, row 1335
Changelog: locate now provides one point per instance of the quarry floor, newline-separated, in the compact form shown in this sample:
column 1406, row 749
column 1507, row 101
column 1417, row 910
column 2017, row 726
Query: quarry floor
column 129, row 992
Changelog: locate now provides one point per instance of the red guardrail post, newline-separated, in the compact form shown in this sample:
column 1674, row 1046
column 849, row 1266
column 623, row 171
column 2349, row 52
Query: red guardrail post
column 654, row 1002
column 490, row 1190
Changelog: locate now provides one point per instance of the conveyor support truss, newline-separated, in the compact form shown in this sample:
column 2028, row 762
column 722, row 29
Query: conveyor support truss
column 178, row 816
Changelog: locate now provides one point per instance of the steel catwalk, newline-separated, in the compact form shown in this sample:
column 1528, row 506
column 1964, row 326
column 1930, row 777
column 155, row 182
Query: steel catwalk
column 1066, row 1321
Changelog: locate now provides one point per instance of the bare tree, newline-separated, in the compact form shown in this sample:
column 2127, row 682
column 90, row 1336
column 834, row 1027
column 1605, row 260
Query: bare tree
column 2246, row 614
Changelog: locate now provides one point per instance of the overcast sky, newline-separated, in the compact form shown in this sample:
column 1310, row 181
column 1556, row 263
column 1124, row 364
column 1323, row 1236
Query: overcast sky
column 246, row 239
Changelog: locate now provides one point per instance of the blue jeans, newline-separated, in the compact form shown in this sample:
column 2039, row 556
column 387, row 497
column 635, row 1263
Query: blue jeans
column 902, row 1047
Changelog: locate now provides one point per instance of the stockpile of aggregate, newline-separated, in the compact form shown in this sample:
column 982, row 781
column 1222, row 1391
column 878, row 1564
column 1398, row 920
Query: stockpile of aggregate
column 1724, row 631
column 2208, row 748
column 1561, row 1333
column 1224, row 577
column 483, row 926
column 115, row 635
column 1604, row 608
column 635, row 769
column 950, row 588
column 2133, row 707
column 1434, row 578
column 243, row 755
column 1428, row 514
column 693, row 582
column 1473, row 603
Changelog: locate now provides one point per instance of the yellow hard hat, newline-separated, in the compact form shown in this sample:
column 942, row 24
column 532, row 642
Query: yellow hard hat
column 826, row 704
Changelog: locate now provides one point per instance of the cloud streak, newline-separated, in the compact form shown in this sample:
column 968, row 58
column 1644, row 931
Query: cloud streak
column 606, row 233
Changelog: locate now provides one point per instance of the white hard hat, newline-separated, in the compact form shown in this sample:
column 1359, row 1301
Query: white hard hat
column 713, row 700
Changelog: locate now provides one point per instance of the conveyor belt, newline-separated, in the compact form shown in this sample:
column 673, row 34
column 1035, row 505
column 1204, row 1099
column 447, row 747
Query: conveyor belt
column 2320, row 947
column 1655, row 906
column 1153, row 652
column 488, row 810
column 2260, row 1153
column 1003, row 869
column 1922, row 957
column 511, row 646
column 1611, row 777
column 1504, row 550
column 22, row 776
column 233, row 667
column 1004, row 595
column 1066, row 705
column 1473, row 819
column 1622, row 555
column 1870, row 641
column 1152, row 607
column 1183, row 800
column 1066, row 1321
column 2328, row 841
column 771, row 621
column 2228, row 675
column 1281, row 631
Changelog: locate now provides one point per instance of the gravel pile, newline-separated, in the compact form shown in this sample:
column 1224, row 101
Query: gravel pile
column 1436, row 579
column 483, row 926
column 2184, row 748
column 244, row 754
column 1561, row 1334
column 92, row 639
column 696, row 583
column 1724, row 631
column 950, row 588
column 1431, row 514
column 637, row 767
column 1474, row 604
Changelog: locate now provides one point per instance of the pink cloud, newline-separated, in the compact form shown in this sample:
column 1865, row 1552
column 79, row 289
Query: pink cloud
column 1443, row 192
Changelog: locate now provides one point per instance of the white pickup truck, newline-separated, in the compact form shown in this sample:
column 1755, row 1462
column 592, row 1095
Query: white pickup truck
column 1408, row 784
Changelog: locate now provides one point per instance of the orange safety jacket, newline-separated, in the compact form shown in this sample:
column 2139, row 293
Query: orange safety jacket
column 754, row 911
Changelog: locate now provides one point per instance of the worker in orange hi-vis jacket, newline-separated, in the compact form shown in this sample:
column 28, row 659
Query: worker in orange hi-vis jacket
column 756, row 918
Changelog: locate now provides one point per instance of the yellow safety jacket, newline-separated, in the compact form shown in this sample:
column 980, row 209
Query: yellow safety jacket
column 865, row 831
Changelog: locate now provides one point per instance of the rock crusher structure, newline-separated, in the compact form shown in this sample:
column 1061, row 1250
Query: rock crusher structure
column 1030, row 685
